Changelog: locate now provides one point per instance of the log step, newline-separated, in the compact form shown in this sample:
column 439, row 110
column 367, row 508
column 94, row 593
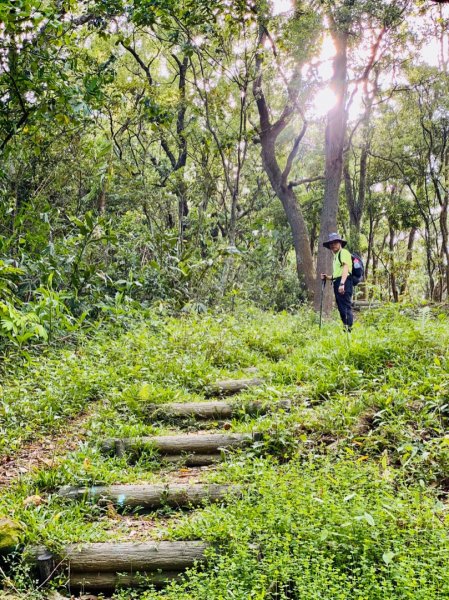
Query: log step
column 366, row 305
column 97, row 582
column 210, row 410
column 151, row 496
column 106, row 565
column 174, row 446
column 193, row 460
column 228, row 387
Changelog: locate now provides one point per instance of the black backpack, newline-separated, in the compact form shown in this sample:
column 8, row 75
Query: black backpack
column 358, row 268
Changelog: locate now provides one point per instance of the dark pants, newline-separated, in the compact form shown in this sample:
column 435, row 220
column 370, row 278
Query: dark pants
column 344, row 301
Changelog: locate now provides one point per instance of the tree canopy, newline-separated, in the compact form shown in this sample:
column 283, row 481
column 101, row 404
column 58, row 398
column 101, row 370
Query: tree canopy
column 191, row 151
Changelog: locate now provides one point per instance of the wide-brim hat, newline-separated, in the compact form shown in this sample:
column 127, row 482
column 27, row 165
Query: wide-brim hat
column 334, row 237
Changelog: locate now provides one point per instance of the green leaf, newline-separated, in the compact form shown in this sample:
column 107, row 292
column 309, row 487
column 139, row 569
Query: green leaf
column 387, row 557
column 369, row 519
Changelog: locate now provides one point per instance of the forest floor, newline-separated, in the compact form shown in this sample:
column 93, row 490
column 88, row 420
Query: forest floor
column 44, row 453
column 345, row 493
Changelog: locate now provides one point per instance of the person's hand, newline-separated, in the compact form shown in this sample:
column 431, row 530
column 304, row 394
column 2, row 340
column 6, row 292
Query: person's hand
column 324, row 276
column 341, row 288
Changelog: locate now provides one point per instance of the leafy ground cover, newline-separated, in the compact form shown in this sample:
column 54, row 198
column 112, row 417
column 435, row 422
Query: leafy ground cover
column 348, row 502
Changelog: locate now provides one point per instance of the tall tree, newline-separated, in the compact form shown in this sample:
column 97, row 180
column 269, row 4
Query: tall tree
column 349, row 22
column 270, row 129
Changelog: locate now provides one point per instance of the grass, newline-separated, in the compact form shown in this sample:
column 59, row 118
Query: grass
column 345, row 495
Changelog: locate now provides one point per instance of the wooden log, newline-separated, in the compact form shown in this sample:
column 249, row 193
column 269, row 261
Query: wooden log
column 127, row 557
column 232, row 386
column 193, row 460
column 365, row 304
column 151, row 496
column 46, row 565
column 95, row 582
column 210, row 410
column 179, row 444
column 197, row 410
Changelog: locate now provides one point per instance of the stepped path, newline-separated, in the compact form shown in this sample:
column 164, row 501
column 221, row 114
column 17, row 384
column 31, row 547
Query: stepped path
column 95, row 567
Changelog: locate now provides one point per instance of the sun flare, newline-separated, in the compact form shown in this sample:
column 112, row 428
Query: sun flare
column 323, row 102
column 281, row 6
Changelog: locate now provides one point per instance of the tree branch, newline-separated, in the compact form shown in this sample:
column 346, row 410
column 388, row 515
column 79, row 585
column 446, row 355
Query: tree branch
column 293, row 184
column 261, row 101
column 293, row 153
column 144, row 67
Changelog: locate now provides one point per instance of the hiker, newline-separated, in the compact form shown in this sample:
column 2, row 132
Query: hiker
column 341, row 278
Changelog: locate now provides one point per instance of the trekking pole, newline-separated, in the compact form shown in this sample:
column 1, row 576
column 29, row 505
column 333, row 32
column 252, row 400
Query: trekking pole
column 323, row 285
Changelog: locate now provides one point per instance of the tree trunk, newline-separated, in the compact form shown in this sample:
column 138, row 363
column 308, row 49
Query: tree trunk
column 334, row 145
column 370, row 244
column 376, row 257
column 444, row 204
column 408, row 258
column 269, row 133
column 356, row 201
column 393, row 284
column 351, row 202
column 430, row 263
column 295, row 218
column 101, row 202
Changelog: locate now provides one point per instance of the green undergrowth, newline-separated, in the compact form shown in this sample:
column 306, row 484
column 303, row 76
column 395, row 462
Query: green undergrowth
column 321, row 529
column 345, row 492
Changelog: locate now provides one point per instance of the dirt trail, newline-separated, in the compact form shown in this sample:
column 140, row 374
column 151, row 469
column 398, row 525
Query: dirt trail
column 45, row 453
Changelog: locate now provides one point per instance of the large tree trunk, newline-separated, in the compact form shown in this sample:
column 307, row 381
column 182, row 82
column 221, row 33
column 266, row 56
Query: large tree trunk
column 334, row 146
column 278, row 177
column 355, row 195
column 295, row 218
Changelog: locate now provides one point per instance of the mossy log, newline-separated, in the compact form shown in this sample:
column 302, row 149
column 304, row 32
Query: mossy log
column 177, row 445
column 210, row 410
column 232, row 386
column 151, row 496
column 120, row 557
column 10, row 534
